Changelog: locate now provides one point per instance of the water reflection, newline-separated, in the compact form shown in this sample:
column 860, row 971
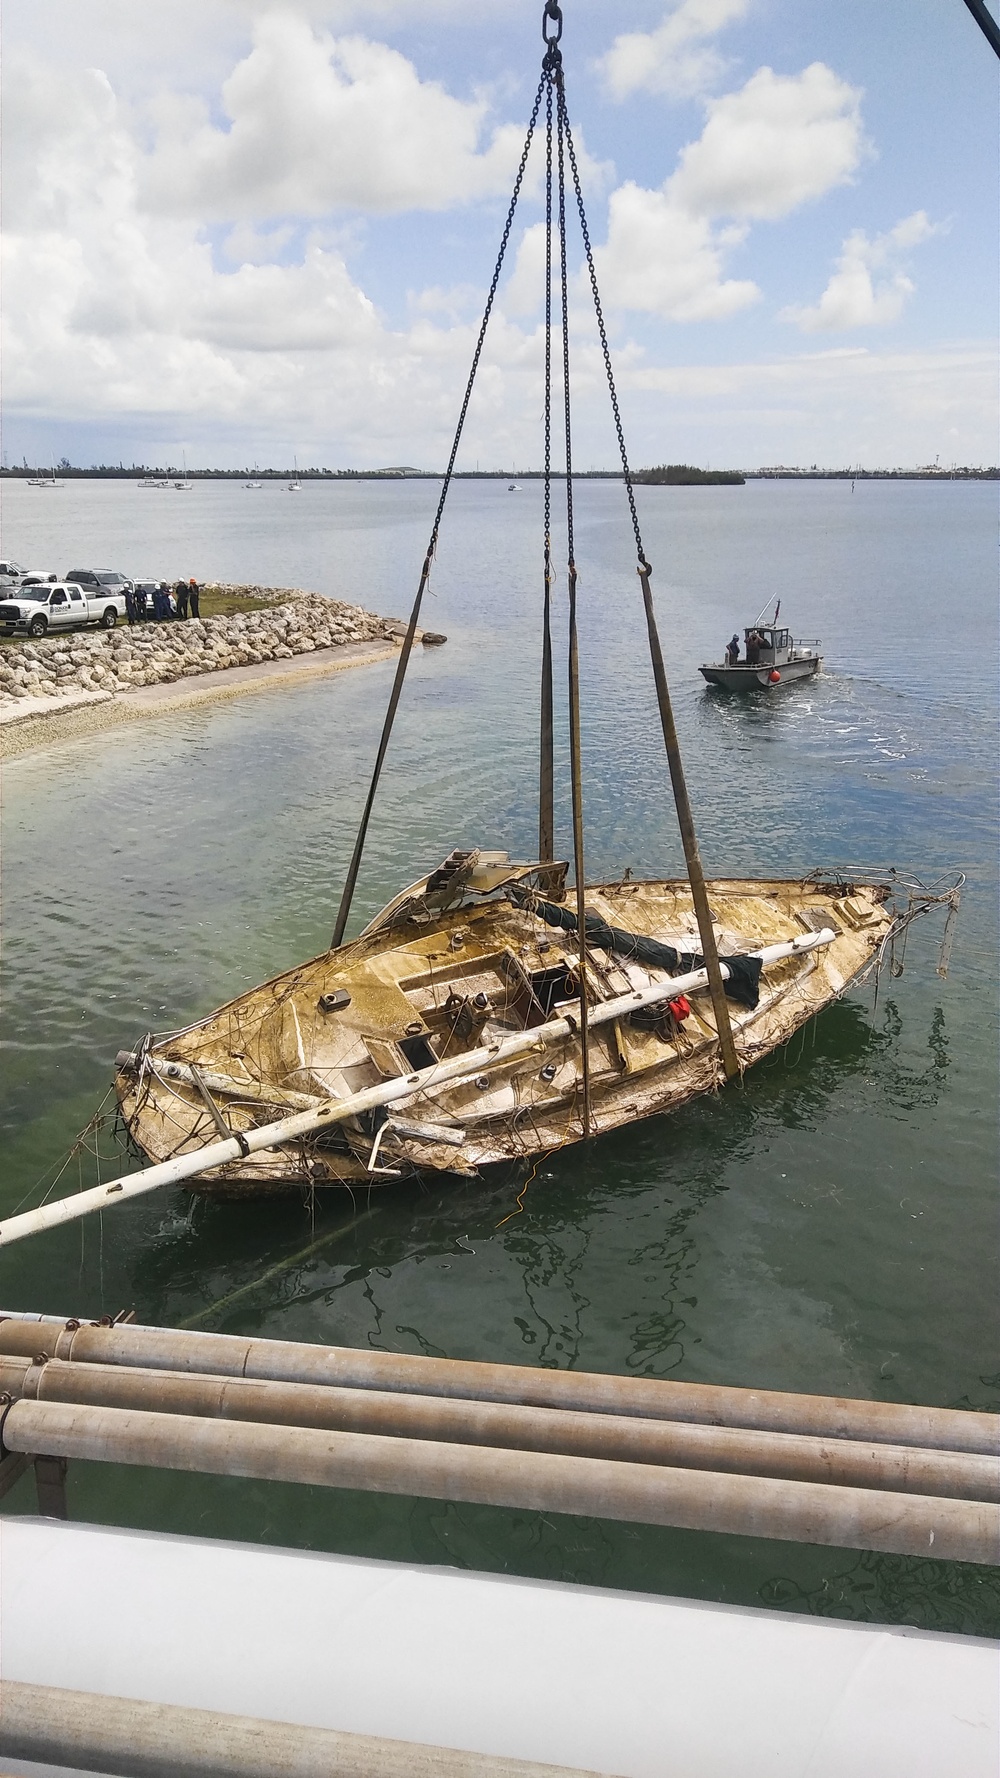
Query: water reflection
column 878, row 1589
column 627, row 1208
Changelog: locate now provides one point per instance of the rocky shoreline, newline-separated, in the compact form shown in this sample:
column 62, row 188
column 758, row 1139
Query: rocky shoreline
column 102, row 663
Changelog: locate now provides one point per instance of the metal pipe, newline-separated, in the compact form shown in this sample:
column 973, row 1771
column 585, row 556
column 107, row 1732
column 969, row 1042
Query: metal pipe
column 527, row 1481
column 646, row 1398
column 89, row 1732
column 730, row 1450
column 333, row 1111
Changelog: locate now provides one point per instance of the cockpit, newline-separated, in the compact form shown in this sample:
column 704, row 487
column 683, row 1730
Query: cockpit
column 773, row 644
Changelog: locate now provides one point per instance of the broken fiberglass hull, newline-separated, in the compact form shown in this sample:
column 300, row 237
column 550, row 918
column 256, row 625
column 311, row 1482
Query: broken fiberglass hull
column 426, row 983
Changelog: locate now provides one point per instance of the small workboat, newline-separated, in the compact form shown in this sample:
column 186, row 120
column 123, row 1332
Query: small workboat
column 771, row 657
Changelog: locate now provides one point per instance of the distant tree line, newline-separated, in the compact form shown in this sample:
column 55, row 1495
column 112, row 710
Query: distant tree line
column 671, row 475
column 683, row 475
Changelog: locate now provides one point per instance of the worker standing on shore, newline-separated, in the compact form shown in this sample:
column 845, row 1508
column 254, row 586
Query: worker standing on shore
column 194, row 594
column 181, row 596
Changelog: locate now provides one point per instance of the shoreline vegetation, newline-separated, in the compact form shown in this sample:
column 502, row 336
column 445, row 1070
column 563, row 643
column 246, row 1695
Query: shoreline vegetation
column 667, row 475
column 80, row 681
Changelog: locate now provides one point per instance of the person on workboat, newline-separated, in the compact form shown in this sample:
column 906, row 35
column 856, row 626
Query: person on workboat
column 754, row 640
column 732, row 650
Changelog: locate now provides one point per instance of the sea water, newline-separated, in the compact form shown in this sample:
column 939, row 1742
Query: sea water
column 828, row 1226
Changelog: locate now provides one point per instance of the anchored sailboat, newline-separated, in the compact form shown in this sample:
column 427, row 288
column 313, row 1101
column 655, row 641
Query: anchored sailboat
column 492, row 1011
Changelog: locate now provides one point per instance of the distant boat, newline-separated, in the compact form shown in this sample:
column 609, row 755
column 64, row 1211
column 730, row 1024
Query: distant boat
column 254, row 483
column 513, row 488
column 294, row 486
column 773, row 658
column 184, row 486
column 45, row 481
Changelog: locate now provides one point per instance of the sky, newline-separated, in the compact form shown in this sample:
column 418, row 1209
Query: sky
column 251, row 231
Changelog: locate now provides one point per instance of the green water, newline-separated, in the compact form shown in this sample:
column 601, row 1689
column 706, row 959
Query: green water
column 830, row 1226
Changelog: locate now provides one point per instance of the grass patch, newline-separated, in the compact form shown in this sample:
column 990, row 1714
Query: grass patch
column 214, row 603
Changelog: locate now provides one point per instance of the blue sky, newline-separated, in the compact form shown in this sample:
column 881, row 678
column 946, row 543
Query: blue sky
column 252, row 230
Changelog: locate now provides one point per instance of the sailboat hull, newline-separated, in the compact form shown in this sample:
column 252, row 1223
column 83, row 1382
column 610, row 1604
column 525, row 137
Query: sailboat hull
column 423, row 984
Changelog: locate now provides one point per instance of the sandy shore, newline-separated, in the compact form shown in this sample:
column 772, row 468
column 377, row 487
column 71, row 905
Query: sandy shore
column 85, row 713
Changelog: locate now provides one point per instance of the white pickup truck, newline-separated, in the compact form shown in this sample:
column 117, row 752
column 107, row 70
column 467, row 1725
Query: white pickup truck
column 62, row 606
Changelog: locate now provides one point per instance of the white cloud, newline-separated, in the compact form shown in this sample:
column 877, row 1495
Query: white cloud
column 111, row 313
column 765, row 149
column 673, row 59
column 118, row 316
column 661, row 259
column 779, row 141
column 314, row 123
column 114, row 309
column 246, row 245
column 524, row 291
column 856, row 296
column 835, row 407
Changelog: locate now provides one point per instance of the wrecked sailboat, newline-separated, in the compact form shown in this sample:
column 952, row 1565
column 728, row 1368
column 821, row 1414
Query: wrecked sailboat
column 452, row 1024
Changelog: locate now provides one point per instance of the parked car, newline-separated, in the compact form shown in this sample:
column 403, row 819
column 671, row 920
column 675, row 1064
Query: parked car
column 100, row 580
column 39, row 609
column 37, row 577
column 11, row 571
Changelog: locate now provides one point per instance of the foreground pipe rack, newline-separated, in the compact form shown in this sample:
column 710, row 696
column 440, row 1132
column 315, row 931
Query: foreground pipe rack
column 92, row 1732
column 811, row 1469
